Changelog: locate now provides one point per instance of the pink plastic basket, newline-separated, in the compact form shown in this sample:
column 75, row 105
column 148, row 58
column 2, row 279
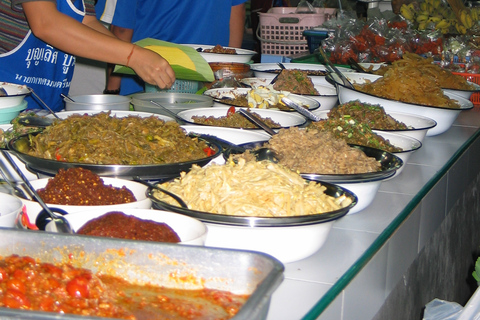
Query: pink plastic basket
column 280, row 30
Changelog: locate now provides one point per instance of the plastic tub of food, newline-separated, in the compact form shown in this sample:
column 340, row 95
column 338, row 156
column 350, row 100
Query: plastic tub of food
column 175, row 102
column 97, row 102
column 159, row 264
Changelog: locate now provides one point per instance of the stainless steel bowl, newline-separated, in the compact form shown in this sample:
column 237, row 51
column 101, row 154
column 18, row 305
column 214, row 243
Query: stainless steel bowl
column 97, row 102
column 21, row 145
column 331, row 190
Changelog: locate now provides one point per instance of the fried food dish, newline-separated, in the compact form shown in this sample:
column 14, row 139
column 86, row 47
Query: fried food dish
column 316, row 151
column 372, row 115
column 443, row 78
column 407, row 83
column 219, row 49
column 295, row 81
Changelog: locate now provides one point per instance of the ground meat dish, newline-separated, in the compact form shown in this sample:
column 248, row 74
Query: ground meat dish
column 355, row 132
column 120, row 225
column 372, row 115
column 319, row 152
column 29, row 284
column 105, row 139
column 295, row 81
column 78, row 186
column 219, row 49
column 234, row 120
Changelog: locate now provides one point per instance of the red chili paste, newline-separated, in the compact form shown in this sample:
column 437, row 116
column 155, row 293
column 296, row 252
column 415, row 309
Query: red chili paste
column 120, row 225
column 78, row 186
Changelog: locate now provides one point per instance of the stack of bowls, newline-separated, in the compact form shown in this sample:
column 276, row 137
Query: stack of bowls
column 97, row 102
column 13, row 103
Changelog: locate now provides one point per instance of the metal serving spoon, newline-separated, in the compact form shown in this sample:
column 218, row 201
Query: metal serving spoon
column 64, row 96
column 174, row 196
column 331, row 68
column 256, row 121
column 61, row 223
column 303, row 111
column 169, row 112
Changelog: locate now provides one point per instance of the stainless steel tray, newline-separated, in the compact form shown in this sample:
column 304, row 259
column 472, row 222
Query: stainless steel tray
column 240, row 272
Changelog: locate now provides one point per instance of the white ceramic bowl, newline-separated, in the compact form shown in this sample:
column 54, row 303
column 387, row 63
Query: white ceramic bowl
column 365, row 190
column 236, row 136
column 464, row 93
column 219, row 94
column 285, row 119
column 138, row 190
column 16, row 94
column 418, row 125
column 190, row 231
column 287, row 244
column 9, row 209
column 286, row 238
column 407, row 143
column 99, row 102
column 241, row 56
column 328, row 97
column 264, row 70
column 443, row 116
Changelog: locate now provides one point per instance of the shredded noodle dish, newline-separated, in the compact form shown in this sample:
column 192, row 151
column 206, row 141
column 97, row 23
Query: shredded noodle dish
column 256, row 189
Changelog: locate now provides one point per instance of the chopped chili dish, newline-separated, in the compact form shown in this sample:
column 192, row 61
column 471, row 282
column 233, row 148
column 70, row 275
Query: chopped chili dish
column 28, row 284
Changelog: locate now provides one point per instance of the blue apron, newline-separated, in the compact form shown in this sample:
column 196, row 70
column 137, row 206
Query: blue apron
column 45, row 69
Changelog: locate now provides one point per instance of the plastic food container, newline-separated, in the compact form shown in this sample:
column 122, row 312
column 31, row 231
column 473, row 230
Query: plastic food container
column 175, row 102
column 98, row 102
column 240, row 272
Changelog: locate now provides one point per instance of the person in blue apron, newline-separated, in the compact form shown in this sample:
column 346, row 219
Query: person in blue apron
column 45, row 58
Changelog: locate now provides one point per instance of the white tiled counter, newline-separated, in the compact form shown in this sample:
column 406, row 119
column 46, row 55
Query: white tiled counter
column 368, row 254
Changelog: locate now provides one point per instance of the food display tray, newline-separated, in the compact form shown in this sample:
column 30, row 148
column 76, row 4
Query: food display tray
column 239, row 272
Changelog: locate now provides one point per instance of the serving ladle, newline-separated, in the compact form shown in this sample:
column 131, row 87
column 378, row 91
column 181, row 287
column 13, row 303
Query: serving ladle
column 169, row 112
column 173, row 195
column 60, row 222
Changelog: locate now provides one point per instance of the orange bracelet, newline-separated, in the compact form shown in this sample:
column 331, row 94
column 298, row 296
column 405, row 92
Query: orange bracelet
column 130, row 55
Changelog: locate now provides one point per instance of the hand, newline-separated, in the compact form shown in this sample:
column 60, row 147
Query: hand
column 152, row 68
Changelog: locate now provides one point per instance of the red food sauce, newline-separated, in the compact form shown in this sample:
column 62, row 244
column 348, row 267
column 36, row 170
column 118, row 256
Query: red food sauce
column 78, row 186
column 119, row 225
column 31, row 285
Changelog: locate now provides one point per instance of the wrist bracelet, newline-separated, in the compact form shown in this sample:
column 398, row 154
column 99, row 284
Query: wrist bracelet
column 130, row 55
column 116, row 91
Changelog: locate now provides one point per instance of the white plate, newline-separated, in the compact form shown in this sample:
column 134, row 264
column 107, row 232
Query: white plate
column 443, row 116
column 16, row 94
column 285, row 119
column 190, row 231
column 375, row 66
column 218, row 94
column 116, row 113
column 418, row 125
column 242, row 55
column 263, row 70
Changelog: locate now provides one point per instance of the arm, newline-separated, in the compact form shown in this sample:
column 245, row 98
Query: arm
column 114, row 81
column 237, row 25
column 80, row 39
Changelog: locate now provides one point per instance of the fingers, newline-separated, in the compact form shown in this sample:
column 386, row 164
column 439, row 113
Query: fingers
column 152, row 68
